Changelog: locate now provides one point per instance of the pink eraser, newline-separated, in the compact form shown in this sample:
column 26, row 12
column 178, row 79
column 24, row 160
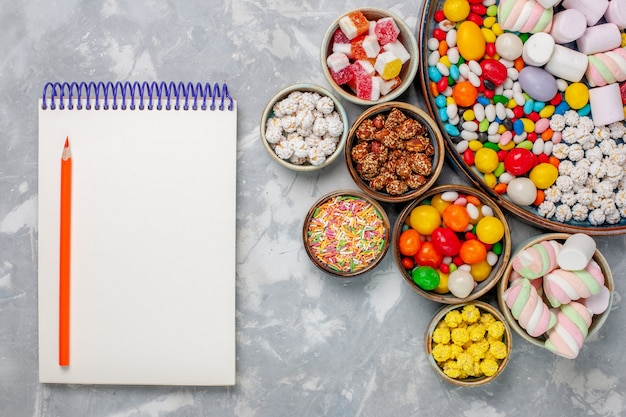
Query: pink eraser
column 599, row 38
column 568, row 25
column 616, row 13
column 592, row 9
column 606, row 104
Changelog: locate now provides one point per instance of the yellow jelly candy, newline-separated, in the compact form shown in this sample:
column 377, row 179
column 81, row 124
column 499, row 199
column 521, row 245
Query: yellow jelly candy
column 480, row 270
column 442, row 287
column 489, row 230
column 577, row 95
column 456, row 10
column 439, row 203
column 471, row 41
column 388, row 65
column 425, row 218
column 544, row 175
column 486, row 160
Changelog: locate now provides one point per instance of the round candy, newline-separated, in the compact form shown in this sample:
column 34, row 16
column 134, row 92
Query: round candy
column 490, row 230
column 442, row 287
column 518, row 161
column 480, row 270
column 446, row 241
column 456, row 217
column 464, row 94
column 509, row 46
column 472, row 251
column 522, row 191
column 428, row 255
column 471, row 41
column 486, row 160
column 409, row 242
column 426, row 277
column 544, row 175
column 461, row 283
column 424, row 219
column 439, row 203
column 456, row 10
column 538, row 83
column 577, row 95
column 494, row 71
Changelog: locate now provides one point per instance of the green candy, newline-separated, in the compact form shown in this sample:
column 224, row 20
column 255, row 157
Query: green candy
column 426, row 277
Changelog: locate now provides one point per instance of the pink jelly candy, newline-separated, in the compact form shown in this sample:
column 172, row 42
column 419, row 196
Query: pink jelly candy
column 367, row 87
column 386, row 30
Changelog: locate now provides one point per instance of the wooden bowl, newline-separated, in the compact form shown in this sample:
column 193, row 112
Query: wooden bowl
column 470, row 381
column 409, row 68
column 269, row 113
column 497, row 270
column 346, row 233
column 431, row 132
column 598, row 319
column 529, row 213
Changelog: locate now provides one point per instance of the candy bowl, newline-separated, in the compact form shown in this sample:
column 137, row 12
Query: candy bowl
column 557, row 291
column 452, row 244
column 468, row 344
column 304, row 127
column 346, row 233
column 369, row 56
column 508, row 118
column 394, row 152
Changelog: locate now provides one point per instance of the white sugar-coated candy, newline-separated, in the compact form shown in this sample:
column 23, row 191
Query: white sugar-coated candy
column 454, row 120
column 492, row 258
column 479, row 112
column 433, row 58
column 507, row 62
column 449, row 196
column 462, row 146
column 490, row 112
column 517, row 87
column 475, row 67
column 505, row 177
column 494, row 138
column 577, row 251
column 452, row 110
column 473, row 211
column 519, row 98
column 469, row 135
column 432, row 44
column 470, row 126
column 488, row 3
column 500, row 111
column 521, row 191
column 451, row 38
column 519, row 138
column 561, row 84
column 512, row 73
column 464, row 69
column 538, row 49
column 509, row 46
column 547, row 147
column 447, row 92
column 599, row 38
column 453, row 55
column 474, row 79
column 510, row 114
column 567, row 63
column 443, row 69
column 493, row 128
column 461, row 283
column 508, row 93
column 538, row 147
column 499, row 90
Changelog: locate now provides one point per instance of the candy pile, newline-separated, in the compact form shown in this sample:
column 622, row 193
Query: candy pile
column 367, row 56
column 304, row 128
column 508, row 80
column 393, row 152
column 555, row 289
column 346, row 233
column 468, row 342
column 450, row 243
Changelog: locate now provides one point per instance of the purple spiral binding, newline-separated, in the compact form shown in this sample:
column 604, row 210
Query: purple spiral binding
column 162, row 95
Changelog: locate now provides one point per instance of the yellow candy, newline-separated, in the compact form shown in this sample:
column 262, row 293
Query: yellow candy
column 511, row 104
column 544, row 175
column 442, row 287
column 456, row 10
column 468, row 115
column 450, row 101
column 445, row 61
column 577, row 95
column 471, row 41
column 623, row 40
column 475, row 145
column 490, row 180
column 490, row 230
column 439, row 203
column 547, row 111
column 480, row 270
column 529, row 125
column 488, row 22
column 501, row 129
column 486, row 160
column 497, row 29
column 490, row 37
column 507, row 147
column 388, row 65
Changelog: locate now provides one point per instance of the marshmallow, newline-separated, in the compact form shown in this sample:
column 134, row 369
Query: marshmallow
column 577, row 252
column 528, row 308
column 548, row 3
column 567, row 63
column 616, row 13
column 606, row 104
column 524, row 16
column 572, row 327
column 538, row 49
column 592, row 9
column 537, row 260
column 599, row 38
column 568, row 25
column 562, row 287
column 607, row 67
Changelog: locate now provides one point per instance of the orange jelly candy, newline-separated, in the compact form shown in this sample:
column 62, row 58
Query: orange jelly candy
column 473, row 251
column 456, row 217
column 464, row 94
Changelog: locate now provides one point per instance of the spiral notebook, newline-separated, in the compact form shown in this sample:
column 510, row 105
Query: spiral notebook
column 150, row 171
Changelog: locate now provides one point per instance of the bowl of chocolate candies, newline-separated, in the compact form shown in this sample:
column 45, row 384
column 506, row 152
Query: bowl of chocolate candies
column 394, row 152
column 557, row 291
column 369, row 56
column 468, row 344
column 304, row 127
column 452, row 244
column 530, row 97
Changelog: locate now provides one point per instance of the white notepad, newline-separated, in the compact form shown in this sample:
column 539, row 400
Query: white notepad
column 152, row 235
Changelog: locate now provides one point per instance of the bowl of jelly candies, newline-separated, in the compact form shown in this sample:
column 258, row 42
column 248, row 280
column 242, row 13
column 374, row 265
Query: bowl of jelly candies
column 369, row 56
column 452, row 245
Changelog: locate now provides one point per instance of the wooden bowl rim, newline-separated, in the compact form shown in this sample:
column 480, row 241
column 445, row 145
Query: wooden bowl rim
column 305, row 87
column 407, row 37
column 470, row 381
column 435, row 136
column 598, row 320
column 353, row 193
column 496, row 273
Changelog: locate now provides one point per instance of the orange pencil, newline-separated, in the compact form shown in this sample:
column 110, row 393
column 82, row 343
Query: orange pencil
column 64, row 255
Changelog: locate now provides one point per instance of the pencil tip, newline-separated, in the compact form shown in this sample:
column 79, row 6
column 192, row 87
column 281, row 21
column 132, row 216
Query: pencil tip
column 67, row 142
